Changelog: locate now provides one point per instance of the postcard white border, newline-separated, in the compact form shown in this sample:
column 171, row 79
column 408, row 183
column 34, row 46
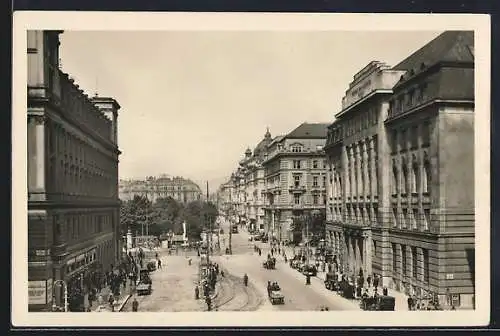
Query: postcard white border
column 128, row 21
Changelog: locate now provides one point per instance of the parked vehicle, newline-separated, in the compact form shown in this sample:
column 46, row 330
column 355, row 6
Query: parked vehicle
column 145, row 283
column 331, row 281
column 310, row 270
column 382, row 303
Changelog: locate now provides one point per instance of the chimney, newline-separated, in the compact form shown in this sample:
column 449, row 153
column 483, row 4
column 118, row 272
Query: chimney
column 109, row 107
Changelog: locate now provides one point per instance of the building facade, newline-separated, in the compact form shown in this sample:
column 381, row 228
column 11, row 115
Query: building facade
column 73, row 205
column 180, row 189
column 295, row 175
column 407, row 194
column 252, row 177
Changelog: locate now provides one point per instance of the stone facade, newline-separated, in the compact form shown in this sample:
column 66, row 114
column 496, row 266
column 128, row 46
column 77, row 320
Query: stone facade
column 295, row 175
column 180, row 189
column 401, row 178
column 73, row 206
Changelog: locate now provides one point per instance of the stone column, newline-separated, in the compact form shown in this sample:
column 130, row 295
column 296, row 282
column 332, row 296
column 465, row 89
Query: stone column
column 37, row 183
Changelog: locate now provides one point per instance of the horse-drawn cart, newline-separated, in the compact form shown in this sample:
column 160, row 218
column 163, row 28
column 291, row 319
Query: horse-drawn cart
column 269, row 263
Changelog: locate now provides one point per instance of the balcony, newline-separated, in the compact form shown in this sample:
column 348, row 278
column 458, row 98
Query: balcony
column 297, row 188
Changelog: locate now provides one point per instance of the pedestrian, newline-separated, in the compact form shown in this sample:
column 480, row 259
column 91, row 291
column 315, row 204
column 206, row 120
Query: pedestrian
column 410, row 303
column 385, row 291
column 375, row 281
column 159, row 263
column 135, row 305
column 369, row 280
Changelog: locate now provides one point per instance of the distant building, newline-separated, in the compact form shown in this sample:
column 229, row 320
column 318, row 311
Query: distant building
column 73, row 205
column 401, row 173
column 180, row 189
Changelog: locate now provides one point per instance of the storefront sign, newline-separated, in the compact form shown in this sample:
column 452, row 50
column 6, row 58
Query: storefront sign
column 37, row 292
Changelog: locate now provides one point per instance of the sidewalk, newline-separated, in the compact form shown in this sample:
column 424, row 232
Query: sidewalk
column 401, row 299
column 401, row 303
column 119, row 302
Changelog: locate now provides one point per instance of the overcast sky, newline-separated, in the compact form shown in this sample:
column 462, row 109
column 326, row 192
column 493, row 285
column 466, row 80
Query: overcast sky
column 192, row 102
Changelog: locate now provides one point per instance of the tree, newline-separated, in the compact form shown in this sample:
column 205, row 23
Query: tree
column 136, row 214
column 168, row 211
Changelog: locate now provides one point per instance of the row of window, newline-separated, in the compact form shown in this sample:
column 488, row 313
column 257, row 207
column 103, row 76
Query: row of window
column 413, row 177
column 82, row 109
column 360, row 122
column 411, row 218
column 316, row 199
column 80, row 226
column 78, row 168
column 408, row 138
column 315, row 164
column 410, row 260
column 407, row 100
column 299, row 148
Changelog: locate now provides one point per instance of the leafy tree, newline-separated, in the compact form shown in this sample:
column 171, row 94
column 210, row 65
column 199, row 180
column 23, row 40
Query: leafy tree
column 136, row 214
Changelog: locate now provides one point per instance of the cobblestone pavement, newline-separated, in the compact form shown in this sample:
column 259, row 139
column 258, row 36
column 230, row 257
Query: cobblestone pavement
column 173, row 288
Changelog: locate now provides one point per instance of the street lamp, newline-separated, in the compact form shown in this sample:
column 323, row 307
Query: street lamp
column 54, row 306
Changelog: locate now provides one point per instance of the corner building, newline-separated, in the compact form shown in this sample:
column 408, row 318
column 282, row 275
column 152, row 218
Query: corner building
column 73, row 207
column 421, row 240
column 295, row 178
column 357, row 158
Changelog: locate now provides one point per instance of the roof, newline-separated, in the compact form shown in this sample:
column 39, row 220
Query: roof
column 309, row 131
column 450, row 46
column 276, row 139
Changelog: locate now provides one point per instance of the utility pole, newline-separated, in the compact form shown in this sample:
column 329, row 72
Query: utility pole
column 307, row 237
column 209, row 233
column 231, row 230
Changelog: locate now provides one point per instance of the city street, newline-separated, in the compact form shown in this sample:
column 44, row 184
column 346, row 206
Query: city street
column 298, row 296
column 173, row 288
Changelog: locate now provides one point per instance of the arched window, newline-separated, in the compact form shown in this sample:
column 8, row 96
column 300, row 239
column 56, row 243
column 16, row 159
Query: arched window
column 426, row 174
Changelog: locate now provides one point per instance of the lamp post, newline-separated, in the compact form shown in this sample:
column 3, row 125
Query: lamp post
column 66, row 305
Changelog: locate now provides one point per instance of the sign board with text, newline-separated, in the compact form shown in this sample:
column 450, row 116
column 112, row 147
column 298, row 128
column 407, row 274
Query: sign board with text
column 37, row 292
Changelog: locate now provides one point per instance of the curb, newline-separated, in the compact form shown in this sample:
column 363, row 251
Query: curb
column 124, row 302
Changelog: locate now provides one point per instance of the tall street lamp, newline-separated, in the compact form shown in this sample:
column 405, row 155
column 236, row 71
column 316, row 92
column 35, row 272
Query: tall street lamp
column 66, row 305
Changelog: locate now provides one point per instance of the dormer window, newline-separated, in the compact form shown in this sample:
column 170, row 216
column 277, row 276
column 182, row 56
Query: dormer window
column 296, row 148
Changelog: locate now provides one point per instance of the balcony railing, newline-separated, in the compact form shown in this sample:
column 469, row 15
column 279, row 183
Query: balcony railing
column 297, row 188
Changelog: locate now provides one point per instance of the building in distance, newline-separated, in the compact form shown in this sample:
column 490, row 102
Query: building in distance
column 180, row 189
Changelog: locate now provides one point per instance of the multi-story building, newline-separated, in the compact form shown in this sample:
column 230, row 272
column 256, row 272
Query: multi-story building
column 181, row 189
column 254, row 184
column 401, row 196
column 73, row 205
column 357, row 159
column 295, row 175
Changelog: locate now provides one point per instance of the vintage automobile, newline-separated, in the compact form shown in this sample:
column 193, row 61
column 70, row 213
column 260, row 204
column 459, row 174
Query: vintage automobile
column 382, row 303
column 275, row 295
column 269, row 263
column 331, row 282
column 145, row 284
column 310, row 270
column 347, row 290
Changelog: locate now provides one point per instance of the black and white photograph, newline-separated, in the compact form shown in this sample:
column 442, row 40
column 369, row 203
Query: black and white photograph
column 250, row 169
